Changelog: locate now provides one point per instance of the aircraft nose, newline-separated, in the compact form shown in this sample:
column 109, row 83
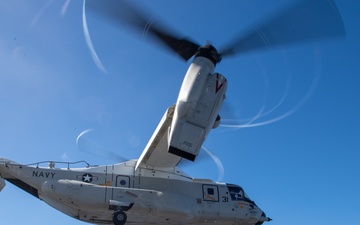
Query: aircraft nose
column 263, row 218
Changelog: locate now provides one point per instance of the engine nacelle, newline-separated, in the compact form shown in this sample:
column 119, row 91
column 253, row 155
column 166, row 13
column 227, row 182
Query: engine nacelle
column 197, row 109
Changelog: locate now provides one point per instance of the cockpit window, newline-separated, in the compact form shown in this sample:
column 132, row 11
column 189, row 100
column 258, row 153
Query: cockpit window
column 238, row 194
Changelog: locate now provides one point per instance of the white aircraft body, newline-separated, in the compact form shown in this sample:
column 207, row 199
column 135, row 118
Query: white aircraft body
column 150, row 190
column 115, row 194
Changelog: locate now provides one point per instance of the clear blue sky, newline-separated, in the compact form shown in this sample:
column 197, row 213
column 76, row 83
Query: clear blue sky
column 302, row 169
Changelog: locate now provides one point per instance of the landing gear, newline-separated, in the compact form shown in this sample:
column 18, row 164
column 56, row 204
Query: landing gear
column 119, row 218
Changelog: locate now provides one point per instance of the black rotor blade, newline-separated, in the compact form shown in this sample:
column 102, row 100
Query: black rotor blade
column 308, row 20
column 122, row 12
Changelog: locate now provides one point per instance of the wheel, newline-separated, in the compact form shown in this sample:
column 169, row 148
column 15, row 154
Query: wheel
column 119, row 218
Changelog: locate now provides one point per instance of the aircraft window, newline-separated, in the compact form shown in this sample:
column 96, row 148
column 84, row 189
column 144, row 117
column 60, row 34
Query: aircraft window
column 210, row 191
column 246, row 196
column 236, row 193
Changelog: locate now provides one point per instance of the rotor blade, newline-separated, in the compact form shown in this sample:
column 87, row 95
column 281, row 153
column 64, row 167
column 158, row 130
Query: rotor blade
column 308, row 20
column 89, row 146
column 122, row 12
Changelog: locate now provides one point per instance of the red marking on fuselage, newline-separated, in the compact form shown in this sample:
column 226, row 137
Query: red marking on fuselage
column 218, row 85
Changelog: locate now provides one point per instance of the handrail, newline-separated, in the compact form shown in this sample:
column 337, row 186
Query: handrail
column 52, row 163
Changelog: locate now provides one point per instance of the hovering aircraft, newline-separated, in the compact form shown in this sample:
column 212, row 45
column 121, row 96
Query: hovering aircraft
column 152, row 189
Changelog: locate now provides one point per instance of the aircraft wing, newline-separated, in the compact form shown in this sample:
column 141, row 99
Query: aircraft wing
column 155, row 154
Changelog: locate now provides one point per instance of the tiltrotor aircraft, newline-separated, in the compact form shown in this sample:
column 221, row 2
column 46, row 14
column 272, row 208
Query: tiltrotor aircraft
column 152, row 189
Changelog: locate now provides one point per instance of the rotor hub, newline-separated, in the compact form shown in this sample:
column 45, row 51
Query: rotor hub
column 209, row 52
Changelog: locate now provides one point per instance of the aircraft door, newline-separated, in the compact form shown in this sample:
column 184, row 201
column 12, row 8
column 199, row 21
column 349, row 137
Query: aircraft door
column 121, row 181
column 211, row 203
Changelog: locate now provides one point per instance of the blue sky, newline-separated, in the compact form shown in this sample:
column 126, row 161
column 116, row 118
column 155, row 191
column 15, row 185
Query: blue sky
column 296, row 152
